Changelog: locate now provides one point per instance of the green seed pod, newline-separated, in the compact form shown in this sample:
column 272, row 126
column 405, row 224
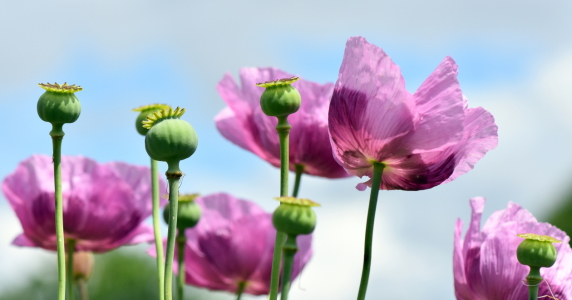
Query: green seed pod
column 280, row 98
column 537, row 250
column 169, row 138
column 59, row 105
column 294, row 216
column 144, row 112
column 189, row 212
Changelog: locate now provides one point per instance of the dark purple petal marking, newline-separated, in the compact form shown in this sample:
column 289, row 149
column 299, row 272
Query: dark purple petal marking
column 413, row 174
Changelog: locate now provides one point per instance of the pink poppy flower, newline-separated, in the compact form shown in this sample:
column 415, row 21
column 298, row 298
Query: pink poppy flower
column 485, row 264
column 424, row 139
column 244, row 123
column 104, row 205
column 232, row 244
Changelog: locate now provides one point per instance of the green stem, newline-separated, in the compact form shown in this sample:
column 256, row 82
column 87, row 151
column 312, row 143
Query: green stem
column 377, row 172
column 71, row 250
column 283, row 129
column 241, row 286
column 299, row 172
column 533, row 280
column 157, row 228
column 82, row 287
column 290, row 248
column 181, row 240
column 173, row 179
column 57, row 135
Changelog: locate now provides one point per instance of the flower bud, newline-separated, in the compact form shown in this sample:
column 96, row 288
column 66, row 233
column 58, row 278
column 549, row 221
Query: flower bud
column 59, row 105
column 188, row 214
column 82, row 265
column 294, row 216
column 169, row 138
column 537, row 250
column 280, row 98
column 144, row 112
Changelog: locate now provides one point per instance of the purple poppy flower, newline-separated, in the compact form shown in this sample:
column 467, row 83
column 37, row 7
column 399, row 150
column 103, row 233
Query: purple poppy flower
column 424, row 139
column 103, row 204
column 485, row 264
column 233, row 243
column 244, row 123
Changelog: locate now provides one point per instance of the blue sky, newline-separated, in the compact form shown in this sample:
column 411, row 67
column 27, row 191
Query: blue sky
column 512, row 60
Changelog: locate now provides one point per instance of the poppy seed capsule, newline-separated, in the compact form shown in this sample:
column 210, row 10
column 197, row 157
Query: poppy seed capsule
column 169, row 138
column 144, row 112
column 537, row 250
column 188, row 214
column 59, row 105
column 294, row 216
column 280, row 98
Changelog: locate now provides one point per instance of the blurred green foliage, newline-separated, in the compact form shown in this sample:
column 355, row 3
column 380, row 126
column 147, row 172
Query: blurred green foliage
column 561, row 215
column 126, row 273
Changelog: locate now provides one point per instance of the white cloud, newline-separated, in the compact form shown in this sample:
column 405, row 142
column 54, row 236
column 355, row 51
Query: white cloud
column 214, row 36
column 553, row 85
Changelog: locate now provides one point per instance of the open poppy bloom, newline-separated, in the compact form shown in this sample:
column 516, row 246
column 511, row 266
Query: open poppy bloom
column 232, row 246
column 422, row 139
column 485, row 264
column 104, row 205
column 244, row 123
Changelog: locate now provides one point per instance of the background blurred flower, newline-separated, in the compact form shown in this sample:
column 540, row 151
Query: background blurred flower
column 244, row 123
column 233, row 244
column 423, row 139
column 485, row 264
column 104, row 204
